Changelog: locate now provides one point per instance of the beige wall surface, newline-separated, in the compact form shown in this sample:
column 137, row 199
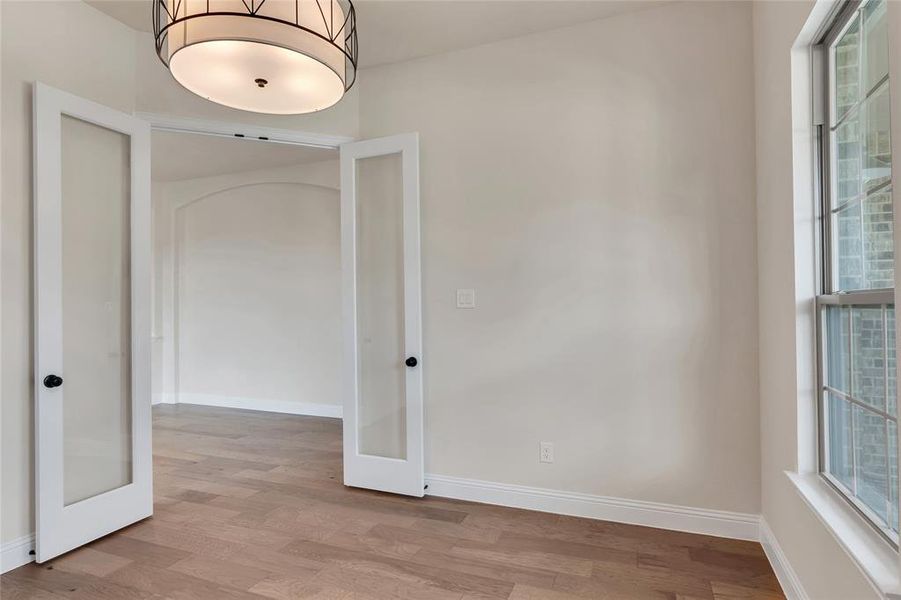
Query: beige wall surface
column 76, row 48
column 257, row 259
column 595, row 185
column 824, row 569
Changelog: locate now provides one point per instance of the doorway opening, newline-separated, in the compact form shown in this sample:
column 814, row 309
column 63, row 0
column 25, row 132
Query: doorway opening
column 247, row 274
column 241, row 293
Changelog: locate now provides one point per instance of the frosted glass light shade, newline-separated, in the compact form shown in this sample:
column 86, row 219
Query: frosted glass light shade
column 256, row 77
column 275, row 56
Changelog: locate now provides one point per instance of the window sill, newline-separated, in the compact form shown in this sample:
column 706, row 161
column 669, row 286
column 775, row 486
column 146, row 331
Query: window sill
column 872, row 554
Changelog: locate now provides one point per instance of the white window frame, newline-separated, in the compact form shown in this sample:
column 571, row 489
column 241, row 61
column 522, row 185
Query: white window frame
column 828, row 293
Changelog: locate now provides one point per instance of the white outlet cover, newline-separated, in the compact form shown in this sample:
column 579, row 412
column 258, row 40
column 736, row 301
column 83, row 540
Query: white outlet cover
column 546, row 452
column 466, row 298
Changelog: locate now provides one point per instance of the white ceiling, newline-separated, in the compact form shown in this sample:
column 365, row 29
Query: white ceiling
column 179, row 156
column 395, row 30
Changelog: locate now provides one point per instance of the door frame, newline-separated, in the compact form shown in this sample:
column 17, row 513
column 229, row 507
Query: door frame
column 188, row 125
column 77, row 524
column 408, row 146
column 275, row 135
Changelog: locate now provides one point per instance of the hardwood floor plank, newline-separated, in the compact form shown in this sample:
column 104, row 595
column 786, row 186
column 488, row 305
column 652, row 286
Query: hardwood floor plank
column 529, row 560
column 14, row 589
column 733, row 591
column 294, row 588
column 393, row 568
column 510, row 574
column 147, row 553
column 220, row 572
column 91, row 562
column 614, row 579
column 278, row 563
column 566, row 548
column 79, row 586
column 172, row 584
column 463, row 531
column 527, row 592
column 380, row 585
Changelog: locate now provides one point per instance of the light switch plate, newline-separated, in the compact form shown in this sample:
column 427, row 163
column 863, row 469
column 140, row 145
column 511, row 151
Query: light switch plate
column 466, row 298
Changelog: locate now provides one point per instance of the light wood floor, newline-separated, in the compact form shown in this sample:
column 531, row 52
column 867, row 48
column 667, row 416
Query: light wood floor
column 251, row 505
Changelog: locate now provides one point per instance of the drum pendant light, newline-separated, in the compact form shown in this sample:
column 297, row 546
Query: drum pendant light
column 266, row 56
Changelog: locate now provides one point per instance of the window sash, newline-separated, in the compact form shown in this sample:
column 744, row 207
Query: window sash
column 882, row 299
column 827, row 126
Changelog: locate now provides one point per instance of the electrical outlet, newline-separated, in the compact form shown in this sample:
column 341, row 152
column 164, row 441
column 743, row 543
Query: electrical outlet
column 546, row 452
column 466, row 298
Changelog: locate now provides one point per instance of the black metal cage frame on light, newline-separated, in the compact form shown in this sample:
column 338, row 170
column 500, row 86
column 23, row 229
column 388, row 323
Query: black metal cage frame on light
column 342, row 36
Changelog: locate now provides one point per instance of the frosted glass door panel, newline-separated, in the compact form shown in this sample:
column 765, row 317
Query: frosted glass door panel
column 96, row 332
column 380, row 306
column 382, row 314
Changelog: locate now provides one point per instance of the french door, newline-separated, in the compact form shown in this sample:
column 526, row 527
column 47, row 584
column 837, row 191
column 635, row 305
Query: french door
column 92, row 321
column 383, row 419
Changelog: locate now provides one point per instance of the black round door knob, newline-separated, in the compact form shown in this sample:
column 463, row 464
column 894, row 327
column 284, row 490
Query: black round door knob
column 52, row 381
column 411, row 362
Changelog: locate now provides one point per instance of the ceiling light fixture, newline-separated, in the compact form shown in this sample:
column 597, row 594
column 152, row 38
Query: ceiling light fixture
column 267, row 56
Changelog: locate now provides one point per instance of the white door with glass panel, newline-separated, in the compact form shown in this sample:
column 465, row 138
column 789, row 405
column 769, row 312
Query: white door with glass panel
column 383, row 420
column 92, row 321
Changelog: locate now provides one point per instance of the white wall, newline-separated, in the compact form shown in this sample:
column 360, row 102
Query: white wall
column 74, row 47
column 247, row 289
column 595, row 185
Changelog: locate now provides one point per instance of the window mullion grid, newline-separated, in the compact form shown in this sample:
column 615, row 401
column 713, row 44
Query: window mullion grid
column 857, row 402
column 824, row 415
column 852, row 412
column 888, row 488
column 856, row 406
column 858, row 108
column 862, row 142
column 862, row 157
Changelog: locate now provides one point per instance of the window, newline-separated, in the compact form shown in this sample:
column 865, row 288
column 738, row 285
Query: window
column 857, row 374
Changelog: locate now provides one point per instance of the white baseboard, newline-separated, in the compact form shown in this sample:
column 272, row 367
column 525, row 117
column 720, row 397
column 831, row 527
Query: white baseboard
column 163, row 399
column 16, row 553
column 788, row 579
column 280, row 406
column 719, row 523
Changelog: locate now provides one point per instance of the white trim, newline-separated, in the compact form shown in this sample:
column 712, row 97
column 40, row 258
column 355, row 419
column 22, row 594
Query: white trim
column 893, row 20
column 788, row 579
column 16, row 553
column 253, row 132
column 161, row 398
column 743, row 526
column 868, row 550
column 309, row 409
